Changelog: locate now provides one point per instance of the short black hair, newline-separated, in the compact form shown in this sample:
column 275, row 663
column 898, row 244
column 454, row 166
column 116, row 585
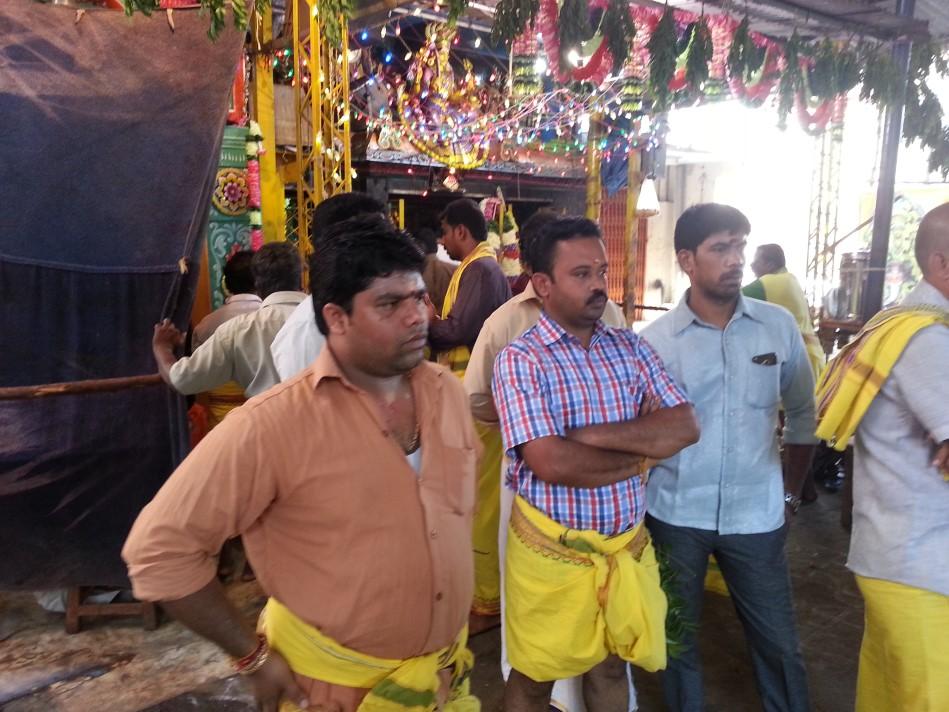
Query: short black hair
column 355, row 252
column 774, row 254
column 699, row 221
column 427, row 239
column 544, row 244
column 277, row 267
column 341, row 207
column 238, row 276
column 529, row 231
column 465, row 211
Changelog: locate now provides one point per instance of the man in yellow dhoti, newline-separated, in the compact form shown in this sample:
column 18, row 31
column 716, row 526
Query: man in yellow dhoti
column 508, row 322
column 477, row 288
column 582, row 406
column 889, row 388
column 353, row 487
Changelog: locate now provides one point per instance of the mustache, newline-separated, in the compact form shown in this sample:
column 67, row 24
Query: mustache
column 736, row 274
column 596, row 296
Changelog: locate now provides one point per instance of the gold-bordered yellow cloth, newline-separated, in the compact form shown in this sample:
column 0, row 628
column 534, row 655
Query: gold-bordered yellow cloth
column 573, row 597
column 410, row 685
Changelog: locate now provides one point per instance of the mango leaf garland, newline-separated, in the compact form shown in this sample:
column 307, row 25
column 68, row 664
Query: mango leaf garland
column 700, row 54
column 618, row 31
column 662, row 60
column 574, row 25
column 512, row 17
column 217, row 9
column 792, row 79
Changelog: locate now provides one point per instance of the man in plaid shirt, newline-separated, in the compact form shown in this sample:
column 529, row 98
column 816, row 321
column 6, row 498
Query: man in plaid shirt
column 583, row 408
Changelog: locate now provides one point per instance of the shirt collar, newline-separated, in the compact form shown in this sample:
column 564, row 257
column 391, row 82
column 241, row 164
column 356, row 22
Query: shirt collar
column 327, row 367
column 551, row 332
column 283, row 298
column 528, row 294
column 925, row 293
column 683, row 316
column 246, row 297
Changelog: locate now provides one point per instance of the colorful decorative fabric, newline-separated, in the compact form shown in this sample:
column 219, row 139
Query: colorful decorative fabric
column 410, row 685
column 574, row 597
column 855, row 376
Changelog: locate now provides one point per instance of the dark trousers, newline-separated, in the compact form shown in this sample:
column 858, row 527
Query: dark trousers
column 755, row 568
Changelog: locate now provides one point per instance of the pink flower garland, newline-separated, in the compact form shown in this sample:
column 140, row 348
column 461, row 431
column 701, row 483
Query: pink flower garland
column 253, row 149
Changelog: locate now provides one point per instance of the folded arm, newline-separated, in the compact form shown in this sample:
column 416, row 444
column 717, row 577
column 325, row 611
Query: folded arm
column 656, row 435
column 562, row 461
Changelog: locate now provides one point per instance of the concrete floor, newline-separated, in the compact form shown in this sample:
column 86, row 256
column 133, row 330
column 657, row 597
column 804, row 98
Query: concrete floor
column 115, row 666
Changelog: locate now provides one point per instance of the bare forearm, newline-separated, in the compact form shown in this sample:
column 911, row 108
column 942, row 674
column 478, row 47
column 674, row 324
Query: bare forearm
column 165, row 358
column 574, row 464
column 210, row 614
column 656, row 435
column 799, row 459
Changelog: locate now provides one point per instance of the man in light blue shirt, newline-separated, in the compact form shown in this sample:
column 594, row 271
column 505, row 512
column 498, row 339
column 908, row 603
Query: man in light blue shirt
column 739, row 360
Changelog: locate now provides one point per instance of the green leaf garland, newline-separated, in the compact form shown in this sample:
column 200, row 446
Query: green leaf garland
column 662, row 48
column 792, row 79
column 618, row 31
column 699, row 56
column 217, row 9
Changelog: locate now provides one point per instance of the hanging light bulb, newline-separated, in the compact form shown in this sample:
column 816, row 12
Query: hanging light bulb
column 384, row 32
column 647, row 206
column 477, row 41
column 540, row 65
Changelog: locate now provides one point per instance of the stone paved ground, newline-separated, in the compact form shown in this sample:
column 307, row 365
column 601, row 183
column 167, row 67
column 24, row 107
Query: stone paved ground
column 114, row 666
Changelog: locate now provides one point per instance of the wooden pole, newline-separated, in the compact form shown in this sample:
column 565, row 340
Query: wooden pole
column 634, row 181
column 71, row 388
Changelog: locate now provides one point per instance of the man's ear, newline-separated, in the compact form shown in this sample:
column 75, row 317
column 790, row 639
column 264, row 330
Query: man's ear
column 541, row 284
column 336, row 318
column 686, row 260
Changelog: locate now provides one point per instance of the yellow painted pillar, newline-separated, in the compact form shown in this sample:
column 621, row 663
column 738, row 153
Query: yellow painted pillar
column 271, row 186
column 594, row 190
column 634, row 182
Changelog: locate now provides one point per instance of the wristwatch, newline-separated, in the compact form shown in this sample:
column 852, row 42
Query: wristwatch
column 793, row 501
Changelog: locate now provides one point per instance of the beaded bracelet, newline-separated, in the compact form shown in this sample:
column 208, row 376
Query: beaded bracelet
column 252, row 662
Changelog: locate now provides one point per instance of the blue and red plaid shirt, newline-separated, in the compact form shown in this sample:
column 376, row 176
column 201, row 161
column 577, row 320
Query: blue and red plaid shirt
column 546, row 383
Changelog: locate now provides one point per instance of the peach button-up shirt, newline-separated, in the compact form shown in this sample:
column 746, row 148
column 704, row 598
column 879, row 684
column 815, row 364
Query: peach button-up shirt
column 337, row 524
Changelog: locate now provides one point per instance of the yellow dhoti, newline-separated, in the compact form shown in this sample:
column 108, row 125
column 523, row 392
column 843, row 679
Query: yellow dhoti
column 222, row 400
column 904, row 658
column 487, row 591
column 574, row 597
column 410, row 685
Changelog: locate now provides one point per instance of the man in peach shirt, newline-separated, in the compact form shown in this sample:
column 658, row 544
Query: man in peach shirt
column 353, row 485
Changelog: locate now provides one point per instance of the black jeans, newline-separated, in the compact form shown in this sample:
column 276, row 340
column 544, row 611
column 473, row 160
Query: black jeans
column 755, row 568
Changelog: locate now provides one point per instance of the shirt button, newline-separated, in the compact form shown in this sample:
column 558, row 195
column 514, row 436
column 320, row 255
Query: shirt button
column 439, row 596
column 433, row 533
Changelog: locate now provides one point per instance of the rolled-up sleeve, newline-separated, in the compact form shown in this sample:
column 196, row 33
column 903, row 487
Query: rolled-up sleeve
column 218, row 492
column 211, row 364
column 797, row 392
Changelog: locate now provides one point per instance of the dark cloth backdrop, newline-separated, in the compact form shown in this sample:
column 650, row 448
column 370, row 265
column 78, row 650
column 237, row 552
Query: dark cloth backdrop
column 109, row 137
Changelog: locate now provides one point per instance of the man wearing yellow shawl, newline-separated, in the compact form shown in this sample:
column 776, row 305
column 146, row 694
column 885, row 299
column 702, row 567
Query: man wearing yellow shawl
column 353, row 486
column 776, row 285
column 581, row 405
column 889, row 390
column 477, row 288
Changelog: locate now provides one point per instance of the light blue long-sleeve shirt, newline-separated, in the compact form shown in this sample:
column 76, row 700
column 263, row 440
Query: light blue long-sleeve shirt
column 737, row 377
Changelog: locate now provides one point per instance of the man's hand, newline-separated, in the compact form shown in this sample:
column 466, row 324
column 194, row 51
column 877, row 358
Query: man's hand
column 941, row 459
column 167, row 336
column 274, row 683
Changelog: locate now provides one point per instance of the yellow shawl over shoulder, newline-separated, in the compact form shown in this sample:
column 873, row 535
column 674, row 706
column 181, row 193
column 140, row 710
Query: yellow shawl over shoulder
column 855, row 376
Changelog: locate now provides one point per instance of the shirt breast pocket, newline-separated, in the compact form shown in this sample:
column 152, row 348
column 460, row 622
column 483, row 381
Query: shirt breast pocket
column 764, row 385
column 458, row 479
